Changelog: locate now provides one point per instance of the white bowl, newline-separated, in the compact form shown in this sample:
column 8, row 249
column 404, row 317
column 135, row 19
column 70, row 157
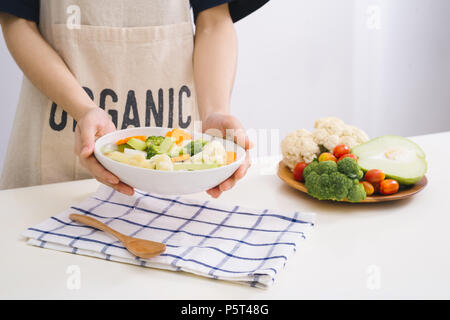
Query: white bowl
column 166, row 182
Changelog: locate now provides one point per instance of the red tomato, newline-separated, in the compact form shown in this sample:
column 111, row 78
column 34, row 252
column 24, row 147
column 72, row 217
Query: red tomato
column 298, row 170
column 376, row 186
column 326, row 156
column 340, row 150
column 389, row 186
column 374, row 176
column 368, row 187
column 349, row 155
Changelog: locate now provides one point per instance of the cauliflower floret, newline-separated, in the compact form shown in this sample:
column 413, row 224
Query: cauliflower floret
column 332, row 131
column 359, row 135
column 324, row 138
column 196, row 158
column 349, row 141
column 162, row 162
column 299, row 146
column 213, row 152
column 332, row 125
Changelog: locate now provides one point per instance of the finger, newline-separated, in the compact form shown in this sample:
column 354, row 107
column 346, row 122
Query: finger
column 110, row 127
column 243, row 168
column 227, row 184
column 241, row 172
column 238, row 133
column 78, row 144
column 106, row 177
column 241, row 138
column 120, row 187
column 98, row 171
column 87, row 138
column 214, row 192
column 231, row 182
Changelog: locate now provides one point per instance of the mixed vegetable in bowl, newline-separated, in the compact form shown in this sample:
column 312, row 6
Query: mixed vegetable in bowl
column 177, row 150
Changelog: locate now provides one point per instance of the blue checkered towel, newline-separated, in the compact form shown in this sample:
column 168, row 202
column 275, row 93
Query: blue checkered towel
column 205, row 238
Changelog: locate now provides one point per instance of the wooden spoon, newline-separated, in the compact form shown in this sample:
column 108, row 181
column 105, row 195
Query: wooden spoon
column 139, row 247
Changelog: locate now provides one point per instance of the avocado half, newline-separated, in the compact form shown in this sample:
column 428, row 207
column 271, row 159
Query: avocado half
column 398, row 157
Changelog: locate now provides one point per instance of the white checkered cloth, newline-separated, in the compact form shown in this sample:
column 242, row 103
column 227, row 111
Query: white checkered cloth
column 205, row 238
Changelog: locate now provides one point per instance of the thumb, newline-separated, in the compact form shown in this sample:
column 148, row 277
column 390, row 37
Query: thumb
column 236, row 131
column 242, row 139
column 87, row 136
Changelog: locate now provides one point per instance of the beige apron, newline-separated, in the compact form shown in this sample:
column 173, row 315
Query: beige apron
column 132, row 57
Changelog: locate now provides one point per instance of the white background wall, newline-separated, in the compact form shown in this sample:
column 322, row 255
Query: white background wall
column 382, row 65
column 300, row 60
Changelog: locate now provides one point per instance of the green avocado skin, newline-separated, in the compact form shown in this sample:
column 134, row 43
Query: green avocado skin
column 401, row 180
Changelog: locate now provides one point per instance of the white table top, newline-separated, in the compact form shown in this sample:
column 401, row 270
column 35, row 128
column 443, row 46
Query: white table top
column 357, row 251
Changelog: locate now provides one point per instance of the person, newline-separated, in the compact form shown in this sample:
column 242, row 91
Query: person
column 91, row 67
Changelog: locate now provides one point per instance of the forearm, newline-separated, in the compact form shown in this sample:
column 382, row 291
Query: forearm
column 43, row 66
column 215, row 58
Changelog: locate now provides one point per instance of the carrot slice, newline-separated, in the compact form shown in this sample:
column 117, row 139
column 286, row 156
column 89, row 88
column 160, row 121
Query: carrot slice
column 123, row 141
column 180, row 135
column 180, row 158
column 231, row 157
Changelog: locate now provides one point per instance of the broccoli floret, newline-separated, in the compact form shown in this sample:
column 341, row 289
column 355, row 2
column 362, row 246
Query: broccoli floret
column 327, row 167
column 194, row 147
column 350, row 168
column 333, row 186
column 356, row 193
column 325, row 188
column 324, row 182
column 312, row 183
column 341, row 184
column 152, row 150
column 154, row 141
column 312, row 167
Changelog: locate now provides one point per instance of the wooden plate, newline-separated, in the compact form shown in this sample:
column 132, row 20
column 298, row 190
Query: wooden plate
column 286, row 175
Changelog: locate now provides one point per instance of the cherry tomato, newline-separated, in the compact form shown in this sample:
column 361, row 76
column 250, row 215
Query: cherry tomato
column 389, row 186
column 298, row 170
column 368, row 187
column 374, row 176
column 326, row 156
column 340, row 150
column 376, row 186
column 349, row 155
